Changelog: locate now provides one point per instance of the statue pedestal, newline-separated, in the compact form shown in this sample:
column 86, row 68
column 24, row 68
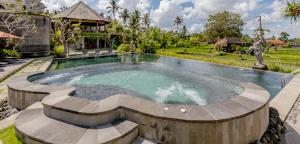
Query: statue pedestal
column 260, row 66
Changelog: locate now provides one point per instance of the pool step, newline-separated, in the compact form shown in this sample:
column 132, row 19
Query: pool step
column 81, row 112
column 141, row 140
column 34, row 127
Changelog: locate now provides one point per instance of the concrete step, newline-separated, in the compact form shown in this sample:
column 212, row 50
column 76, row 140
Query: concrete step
column 141, row 140
column 80, row 112
column 34, row 127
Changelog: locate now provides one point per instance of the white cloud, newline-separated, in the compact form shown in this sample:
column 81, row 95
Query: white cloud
column 196, row 12
column 57, row 4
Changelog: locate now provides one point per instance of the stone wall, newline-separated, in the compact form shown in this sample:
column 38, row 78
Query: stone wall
column 38, row 43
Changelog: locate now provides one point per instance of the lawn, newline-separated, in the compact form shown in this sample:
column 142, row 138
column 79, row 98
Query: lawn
column 284, row 60
column 7, row 136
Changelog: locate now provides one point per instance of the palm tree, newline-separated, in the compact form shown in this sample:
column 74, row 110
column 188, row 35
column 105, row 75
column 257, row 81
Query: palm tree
column 292, row 10
column 113, row 8
column 134, row 25
column 146, row 20
column 178, row 21
column 184, row 31
column 124, row 15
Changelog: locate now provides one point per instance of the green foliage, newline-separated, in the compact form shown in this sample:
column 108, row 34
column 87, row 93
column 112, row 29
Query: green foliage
column 223, row 24
column 9, row 53
column 151, row 40
column 124, row 48
column 56, row 38
column 59, row 50
column 292, row 10
column 284, row 60
column 149, row 46
column 284, row 36
column 221, row 53
column 8, row 136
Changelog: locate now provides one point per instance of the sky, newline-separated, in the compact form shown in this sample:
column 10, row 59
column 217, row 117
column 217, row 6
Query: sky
column 195, row 12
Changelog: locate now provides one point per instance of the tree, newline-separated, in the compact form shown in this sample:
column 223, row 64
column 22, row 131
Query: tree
column 292, row 10
column 16, row 20
column 223, row 24
column 134, row 25
column 65, row 33
column 124, row 15
column 177, row 22
column 113, row 8
column 146, row 20
column 284, row 36
column 184, row 32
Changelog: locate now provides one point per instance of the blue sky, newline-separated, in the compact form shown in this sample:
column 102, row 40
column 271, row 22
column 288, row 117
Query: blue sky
column 195, row 12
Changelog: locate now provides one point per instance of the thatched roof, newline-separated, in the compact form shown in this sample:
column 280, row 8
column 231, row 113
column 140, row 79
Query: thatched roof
column 81, row 11
column 275, row 42
column 228, row 41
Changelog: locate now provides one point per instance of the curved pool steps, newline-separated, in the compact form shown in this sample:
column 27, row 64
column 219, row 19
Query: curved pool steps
column 34, row 127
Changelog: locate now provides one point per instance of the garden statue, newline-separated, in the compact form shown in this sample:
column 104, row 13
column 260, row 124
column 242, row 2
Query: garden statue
column 258, row 51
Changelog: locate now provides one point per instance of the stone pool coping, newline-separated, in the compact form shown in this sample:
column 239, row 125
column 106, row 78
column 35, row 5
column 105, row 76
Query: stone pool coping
column 286, row 98
column 58, row 98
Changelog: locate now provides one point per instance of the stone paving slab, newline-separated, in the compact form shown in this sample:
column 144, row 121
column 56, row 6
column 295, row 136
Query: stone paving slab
column 34, row 126
column 11, row 68
column 286, row 99
column 37, row 65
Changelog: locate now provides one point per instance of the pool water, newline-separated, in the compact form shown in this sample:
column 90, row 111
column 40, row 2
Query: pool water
column 161, row 79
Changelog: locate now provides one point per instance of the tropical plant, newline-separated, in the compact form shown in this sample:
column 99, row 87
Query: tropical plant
column 65, row 33
column 134, row 25
column 123, row 48
column 184, row 32
column 284, row 36
column 223, row 24
column 124, row 15
column 59, row 50
column 177, row 22
column 146, row 20
column 292, row 10
column 113, row 8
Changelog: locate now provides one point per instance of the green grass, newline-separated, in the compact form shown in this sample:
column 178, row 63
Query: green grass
column 284, row 60
column 8, row 136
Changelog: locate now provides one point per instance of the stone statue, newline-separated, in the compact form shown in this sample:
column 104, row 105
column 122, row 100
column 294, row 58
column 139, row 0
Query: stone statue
column 258, row 51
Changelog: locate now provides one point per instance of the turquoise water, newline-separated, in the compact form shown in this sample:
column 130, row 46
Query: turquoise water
column 154, row 86
column 161, row 79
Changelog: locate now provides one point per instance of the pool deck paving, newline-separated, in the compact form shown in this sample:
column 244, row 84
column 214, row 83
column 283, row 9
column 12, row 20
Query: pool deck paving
column 38, row 64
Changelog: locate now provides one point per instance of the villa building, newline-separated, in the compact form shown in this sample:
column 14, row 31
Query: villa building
column 93, row 26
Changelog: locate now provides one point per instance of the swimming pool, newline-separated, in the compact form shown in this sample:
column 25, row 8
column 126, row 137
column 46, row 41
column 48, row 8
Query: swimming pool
column 158, row 78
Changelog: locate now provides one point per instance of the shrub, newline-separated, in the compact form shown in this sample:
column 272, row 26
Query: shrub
column 59, row 50
column 123, row 48
column 221, row 53
column 149, row 46
column 9, row 53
